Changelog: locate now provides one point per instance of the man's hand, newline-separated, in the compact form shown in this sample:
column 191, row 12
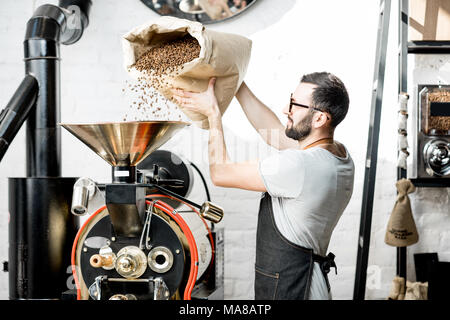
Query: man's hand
column 224, row 172
column 203, row 102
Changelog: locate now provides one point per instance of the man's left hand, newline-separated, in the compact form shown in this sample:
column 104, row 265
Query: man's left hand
column 203, row 102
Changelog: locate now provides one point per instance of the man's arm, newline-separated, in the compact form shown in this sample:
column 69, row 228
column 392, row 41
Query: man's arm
column 223, row 171
column 264, row 120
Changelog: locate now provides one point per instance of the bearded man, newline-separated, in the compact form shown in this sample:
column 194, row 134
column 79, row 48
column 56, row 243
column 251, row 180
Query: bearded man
column 305, row 186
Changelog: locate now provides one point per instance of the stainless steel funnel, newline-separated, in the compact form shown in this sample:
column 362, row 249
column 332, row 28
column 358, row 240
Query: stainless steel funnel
column 125, row 143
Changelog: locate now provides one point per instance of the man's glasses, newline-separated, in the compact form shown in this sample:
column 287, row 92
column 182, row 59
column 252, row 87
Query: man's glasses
column 292, row 103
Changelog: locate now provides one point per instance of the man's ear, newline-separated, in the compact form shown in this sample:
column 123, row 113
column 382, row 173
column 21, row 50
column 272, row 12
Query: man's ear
column 319, row 120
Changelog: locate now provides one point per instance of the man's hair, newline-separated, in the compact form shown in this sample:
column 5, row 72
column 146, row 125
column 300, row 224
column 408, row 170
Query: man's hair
column 330, row 95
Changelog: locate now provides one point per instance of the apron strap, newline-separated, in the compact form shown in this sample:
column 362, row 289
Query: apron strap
column 326, row 263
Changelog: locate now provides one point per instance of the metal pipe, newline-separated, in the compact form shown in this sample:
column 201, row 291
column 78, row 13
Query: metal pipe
column 41, row 53
column 47, row 28
column 16, row 111
column 41, row 228
column 78, row 19
column 80, row 200
column 83, row 191
column 40, row 244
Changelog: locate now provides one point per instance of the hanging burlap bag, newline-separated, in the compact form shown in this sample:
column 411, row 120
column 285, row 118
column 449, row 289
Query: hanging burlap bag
column 222, row 55
column 401, row 229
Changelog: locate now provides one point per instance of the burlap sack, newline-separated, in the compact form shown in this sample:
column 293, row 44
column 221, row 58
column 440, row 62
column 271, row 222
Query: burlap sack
column 416, row 291
column 222, row 55
column 401, row 229
column 397, row 291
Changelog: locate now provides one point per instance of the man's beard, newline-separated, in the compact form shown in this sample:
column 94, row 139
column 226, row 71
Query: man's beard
column 301, row 130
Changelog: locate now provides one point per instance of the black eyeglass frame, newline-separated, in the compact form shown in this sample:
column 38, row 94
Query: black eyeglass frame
column 291, row 102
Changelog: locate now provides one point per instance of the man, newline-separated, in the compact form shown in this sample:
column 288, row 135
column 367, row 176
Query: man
column 306, row 185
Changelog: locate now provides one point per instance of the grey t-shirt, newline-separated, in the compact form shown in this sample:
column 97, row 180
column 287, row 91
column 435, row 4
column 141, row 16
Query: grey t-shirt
column 310, row 190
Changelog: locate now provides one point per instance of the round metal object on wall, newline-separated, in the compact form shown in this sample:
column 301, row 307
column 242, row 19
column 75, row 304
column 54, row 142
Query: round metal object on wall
column 437, row 157
column 203, row 11
column 171, row 166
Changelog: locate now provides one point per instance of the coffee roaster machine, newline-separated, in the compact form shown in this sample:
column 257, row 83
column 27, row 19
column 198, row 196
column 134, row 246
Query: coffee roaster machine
column 141, row 238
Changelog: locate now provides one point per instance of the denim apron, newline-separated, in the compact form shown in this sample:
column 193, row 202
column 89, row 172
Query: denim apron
column 283, row 270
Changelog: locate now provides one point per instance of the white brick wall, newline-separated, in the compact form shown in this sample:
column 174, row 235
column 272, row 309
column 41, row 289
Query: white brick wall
column 290, row 38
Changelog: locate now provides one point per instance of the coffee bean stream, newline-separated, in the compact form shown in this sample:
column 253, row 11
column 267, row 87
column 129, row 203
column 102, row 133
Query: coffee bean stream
column 158, row 67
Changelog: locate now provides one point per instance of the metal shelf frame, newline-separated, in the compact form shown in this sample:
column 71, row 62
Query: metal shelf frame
column 429, row 47
column 404, row 48
column 372, row 151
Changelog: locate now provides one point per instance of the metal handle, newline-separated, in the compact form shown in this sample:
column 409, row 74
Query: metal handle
column 80, row 199
column 83, row 190
column 211, row 212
